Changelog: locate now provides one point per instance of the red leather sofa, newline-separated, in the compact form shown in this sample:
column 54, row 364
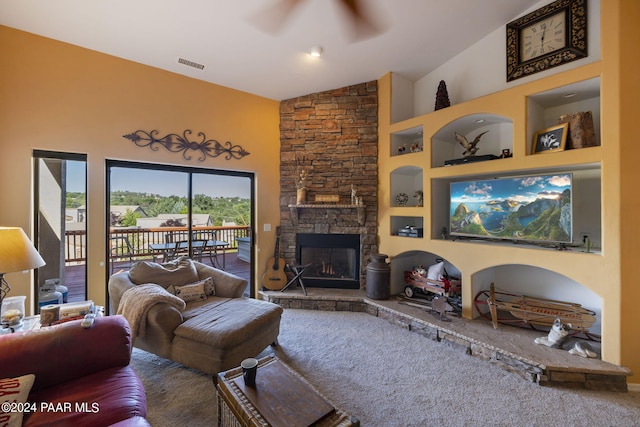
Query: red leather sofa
column 82, row 375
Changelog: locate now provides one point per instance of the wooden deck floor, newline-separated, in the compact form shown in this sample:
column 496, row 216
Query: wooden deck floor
column 75, row 274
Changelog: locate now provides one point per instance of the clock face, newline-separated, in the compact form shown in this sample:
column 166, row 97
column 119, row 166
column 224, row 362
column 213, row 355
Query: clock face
column 543, row 37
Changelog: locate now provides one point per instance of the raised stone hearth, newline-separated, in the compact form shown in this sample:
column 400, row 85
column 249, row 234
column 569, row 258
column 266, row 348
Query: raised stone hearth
column 509, row 347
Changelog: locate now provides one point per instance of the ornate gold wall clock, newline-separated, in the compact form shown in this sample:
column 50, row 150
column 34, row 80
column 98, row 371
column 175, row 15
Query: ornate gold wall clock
column 550, row 36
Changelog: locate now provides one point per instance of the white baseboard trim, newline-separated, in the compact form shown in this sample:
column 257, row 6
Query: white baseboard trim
column 633, row 387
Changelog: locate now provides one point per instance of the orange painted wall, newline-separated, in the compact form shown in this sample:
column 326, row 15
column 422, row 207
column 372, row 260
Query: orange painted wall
column 629, row 57
column 59, row 97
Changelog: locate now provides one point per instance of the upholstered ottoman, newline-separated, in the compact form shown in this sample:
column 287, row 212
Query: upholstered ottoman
column 215, row 339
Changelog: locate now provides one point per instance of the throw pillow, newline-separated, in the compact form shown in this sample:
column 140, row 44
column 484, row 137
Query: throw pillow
column 188, row 293
column 226, row 284
column 435, row 271
column 179, row 272
column 209, row 287
column 14, row 391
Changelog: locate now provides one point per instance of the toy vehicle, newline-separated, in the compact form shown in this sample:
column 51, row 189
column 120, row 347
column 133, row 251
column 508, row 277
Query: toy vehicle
column 417, row 283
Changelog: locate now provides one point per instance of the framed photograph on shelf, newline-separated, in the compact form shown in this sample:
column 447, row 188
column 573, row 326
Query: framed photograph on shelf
column 553, row 138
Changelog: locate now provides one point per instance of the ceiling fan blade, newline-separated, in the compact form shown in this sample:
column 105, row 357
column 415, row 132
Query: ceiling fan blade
column 274, row 17
column 362, row 24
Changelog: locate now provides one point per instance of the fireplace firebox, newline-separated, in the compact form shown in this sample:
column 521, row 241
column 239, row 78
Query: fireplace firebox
column 333, row 260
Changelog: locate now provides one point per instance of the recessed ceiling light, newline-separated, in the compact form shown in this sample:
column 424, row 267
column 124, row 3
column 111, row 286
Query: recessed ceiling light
column 316, row 51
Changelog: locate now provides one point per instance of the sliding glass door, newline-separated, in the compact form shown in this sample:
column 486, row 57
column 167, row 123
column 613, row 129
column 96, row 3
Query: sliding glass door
column 161, row 212
column 60, row 226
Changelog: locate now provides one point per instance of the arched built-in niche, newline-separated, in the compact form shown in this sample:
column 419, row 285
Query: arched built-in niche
column 533, row 281
column 406, row 182
column 406, row 261
column 499, row 137
column 518, row 279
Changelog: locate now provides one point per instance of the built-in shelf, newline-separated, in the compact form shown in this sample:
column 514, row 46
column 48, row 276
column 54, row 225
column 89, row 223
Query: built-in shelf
column 502, row 138
column 296, row 208
column 509, row 130
column 545, row 108
column 407, row 226
column 495, row 134
column 407, row 186
column 407, row 141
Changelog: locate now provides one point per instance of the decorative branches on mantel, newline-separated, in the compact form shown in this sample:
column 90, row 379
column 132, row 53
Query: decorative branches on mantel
column 181, row 144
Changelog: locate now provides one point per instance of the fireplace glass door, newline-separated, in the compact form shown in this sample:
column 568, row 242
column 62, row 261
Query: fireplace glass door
column 329, row 263
column 331, row 260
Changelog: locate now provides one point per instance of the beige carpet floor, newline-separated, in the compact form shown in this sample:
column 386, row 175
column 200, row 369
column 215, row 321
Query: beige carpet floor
column 387, row 376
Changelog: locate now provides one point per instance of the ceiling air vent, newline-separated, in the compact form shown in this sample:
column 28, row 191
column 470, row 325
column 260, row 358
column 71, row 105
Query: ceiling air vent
column 190, row 63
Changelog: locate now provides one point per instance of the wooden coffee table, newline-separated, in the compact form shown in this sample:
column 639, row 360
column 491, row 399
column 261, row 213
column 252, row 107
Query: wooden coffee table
column 280, row 398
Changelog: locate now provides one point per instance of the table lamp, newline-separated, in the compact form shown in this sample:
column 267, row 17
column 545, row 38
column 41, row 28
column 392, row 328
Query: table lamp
column 17, row 253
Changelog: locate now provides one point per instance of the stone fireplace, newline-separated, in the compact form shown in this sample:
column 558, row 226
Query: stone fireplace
column 333, row 137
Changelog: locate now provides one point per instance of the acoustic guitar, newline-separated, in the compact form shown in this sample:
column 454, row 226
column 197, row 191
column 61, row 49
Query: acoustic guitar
column 274, row 277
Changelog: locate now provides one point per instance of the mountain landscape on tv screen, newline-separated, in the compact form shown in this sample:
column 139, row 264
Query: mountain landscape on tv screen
column 533, row 208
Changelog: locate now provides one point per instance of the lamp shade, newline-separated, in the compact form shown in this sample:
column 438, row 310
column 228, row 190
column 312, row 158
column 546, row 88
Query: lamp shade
column 17, row 253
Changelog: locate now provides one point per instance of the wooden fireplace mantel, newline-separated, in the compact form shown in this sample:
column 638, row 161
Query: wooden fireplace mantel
column 296, row 208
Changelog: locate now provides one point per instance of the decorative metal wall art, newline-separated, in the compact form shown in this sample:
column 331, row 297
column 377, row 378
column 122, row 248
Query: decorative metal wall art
column 181, row 144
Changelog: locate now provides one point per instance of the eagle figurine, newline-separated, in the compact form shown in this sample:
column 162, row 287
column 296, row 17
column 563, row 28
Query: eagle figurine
column 470, row 147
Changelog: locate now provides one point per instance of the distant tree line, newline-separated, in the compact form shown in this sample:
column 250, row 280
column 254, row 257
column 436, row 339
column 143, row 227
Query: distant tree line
column 75, row 200
column 229, row 209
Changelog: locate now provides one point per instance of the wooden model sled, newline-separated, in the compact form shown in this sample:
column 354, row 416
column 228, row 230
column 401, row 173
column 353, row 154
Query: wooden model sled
column 525, row 310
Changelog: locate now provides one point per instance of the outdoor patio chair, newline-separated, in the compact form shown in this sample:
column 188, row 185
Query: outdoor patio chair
column 208, row 247
column 198, row 248
column 121, row 253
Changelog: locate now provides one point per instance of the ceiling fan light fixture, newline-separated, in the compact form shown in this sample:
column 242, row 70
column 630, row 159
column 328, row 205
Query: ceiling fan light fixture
column 316, row 51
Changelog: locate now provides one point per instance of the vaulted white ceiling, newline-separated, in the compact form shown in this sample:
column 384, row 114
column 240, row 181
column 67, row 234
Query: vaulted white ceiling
column 231, row 39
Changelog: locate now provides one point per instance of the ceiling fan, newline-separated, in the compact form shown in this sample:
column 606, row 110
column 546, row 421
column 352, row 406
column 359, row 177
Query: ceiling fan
column 275, row 17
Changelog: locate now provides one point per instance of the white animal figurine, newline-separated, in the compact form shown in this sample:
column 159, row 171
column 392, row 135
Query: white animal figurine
column 559, row 338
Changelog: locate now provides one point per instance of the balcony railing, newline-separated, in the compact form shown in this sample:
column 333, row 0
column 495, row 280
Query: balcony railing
column 140, row 238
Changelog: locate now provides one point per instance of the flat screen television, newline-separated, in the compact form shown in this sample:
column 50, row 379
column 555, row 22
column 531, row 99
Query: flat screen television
column 532, row 208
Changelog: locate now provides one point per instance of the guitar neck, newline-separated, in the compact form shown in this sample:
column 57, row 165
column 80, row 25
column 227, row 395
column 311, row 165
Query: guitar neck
column 276, row 255
column 276, row 250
